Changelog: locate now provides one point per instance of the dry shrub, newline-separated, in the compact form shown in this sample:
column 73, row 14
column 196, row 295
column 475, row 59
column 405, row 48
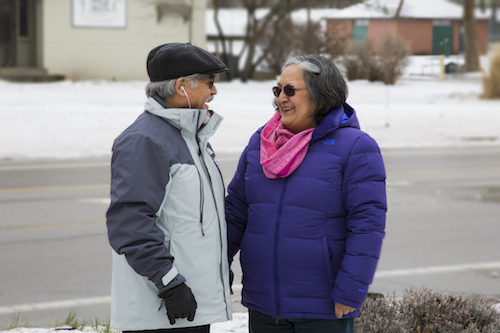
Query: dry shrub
column 279, row 41
column 379, row 315
column 425, row 311
column 392, row 57
column 360, row 61
column 384, row 61
column 354, row 68
column 491, row 83
column 311, row 39
column 286, row 38
column 338, row 40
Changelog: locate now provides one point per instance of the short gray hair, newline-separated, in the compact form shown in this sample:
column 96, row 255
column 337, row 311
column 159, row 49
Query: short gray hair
column 324, row 82
column 166, row 89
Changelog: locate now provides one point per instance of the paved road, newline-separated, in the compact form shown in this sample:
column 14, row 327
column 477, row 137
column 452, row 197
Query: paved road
column 442, row 231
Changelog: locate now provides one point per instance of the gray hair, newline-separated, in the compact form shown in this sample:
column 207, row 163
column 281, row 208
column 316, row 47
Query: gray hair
column 166, row 89
column 325, row 83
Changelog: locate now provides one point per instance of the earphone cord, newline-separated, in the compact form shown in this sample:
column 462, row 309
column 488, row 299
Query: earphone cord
column 188, row 100
column 189, row 103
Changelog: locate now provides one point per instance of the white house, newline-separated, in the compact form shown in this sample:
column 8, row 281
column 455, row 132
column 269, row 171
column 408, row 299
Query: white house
column 92, row 39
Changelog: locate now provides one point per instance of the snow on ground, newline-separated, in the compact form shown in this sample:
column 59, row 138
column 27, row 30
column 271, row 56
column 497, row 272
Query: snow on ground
column 239, row 324
column 81, row 119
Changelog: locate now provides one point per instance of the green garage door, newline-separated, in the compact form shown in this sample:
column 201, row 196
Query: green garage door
column 360, row 31
column 442, row 37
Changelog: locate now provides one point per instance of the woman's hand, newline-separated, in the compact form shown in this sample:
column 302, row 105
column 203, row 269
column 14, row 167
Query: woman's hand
column 341, row 309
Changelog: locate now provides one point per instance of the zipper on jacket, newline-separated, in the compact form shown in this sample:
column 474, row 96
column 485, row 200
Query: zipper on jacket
column 206, row 169
column 202, row 191
column 202, row 200
column 198, row 144
column 276, row 237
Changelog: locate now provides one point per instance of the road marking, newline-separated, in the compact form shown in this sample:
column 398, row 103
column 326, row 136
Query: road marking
column 417, row 202
column 437, row 269
column 237, row 287
column 104, row 201
column 442, row 171
column 18, row 167
column 53, row 188
column 49, row 225
column 54, row 305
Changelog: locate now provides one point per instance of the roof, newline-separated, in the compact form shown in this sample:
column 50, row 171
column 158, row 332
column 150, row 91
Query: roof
column 234, row 20
column 418, row 9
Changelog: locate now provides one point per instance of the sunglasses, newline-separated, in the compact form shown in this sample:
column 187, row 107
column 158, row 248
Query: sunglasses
column 288, row 90
column 210, row 81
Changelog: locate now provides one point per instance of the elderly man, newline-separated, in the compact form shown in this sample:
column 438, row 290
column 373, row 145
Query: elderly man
column 167, row 201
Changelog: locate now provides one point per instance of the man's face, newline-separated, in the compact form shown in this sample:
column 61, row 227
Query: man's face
column 203, row 93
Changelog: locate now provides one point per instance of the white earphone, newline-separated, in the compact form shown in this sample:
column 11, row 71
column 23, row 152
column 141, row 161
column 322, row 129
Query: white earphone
column 184, row 90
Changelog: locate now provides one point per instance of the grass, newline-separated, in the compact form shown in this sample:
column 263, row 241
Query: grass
column 71, row 323
column 16, row 322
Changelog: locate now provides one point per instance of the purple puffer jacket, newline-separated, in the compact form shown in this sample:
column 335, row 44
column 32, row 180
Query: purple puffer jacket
column 314, row 237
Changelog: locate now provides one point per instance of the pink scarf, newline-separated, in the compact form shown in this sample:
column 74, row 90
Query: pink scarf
column 281, row 150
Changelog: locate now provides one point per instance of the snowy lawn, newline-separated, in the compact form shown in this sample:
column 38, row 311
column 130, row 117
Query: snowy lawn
column 80, row 119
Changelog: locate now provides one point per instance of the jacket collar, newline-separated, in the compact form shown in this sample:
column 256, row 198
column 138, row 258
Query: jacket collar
column 186, row 120
column 343, row 116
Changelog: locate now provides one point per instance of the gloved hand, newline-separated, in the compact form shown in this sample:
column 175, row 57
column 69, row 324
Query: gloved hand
column 180, row 303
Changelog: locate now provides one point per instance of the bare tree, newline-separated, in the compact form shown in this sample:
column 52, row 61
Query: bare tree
column 471, row 45
column 400, row 6
column 221, row 36
column 288, row 39
column 277, row 11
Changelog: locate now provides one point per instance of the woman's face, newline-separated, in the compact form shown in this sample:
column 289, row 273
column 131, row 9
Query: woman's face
column 295, row 110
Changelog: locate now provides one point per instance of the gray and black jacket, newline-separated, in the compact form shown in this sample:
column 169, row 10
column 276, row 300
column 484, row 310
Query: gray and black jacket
column 167, row 201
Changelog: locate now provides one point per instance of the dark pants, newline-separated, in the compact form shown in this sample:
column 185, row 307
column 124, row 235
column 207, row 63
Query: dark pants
column 261, row 323
column 196, row 329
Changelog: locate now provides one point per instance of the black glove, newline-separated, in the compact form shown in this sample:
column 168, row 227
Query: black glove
column 180, row 303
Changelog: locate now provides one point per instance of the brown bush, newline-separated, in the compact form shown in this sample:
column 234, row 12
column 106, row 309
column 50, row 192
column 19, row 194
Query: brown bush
column 287, row 38
column 491, row 83
column 384, row 61
column 392, row 57
column 354, row 68
column 422, row 311
column 338, row 40
column 356, row 60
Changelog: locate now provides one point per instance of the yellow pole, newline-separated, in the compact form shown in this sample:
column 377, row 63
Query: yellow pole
column 441, row 68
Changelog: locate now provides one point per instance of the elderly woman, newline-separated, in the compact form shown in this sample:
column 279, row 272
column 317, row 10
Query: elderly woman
column 307, row 207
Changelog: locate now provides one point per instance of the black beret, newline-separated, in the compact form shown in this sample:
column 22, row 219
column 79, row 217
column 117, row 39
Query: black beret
column 173, row 60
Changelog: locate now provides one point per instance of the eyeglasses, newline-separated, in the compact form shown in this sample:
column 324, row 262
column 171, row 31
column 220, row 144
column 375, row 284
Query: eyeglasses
column 210, row 81
column 288, row 90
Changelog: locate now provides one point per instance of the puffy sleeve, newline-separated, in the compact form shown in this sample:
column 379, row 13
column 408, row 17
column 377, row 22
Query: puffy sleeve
column 236, row 207
column 364, row 195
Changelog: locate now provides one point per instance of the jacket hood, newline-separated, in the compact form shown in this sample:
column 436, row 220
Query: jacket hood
column 190, row 120
column 343, row 116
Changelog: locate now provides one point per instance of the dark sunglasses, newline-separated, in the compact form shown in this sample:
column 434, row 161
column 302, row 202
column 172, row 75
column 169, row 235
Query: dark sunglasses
column 288, row 90
column 210, row 81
